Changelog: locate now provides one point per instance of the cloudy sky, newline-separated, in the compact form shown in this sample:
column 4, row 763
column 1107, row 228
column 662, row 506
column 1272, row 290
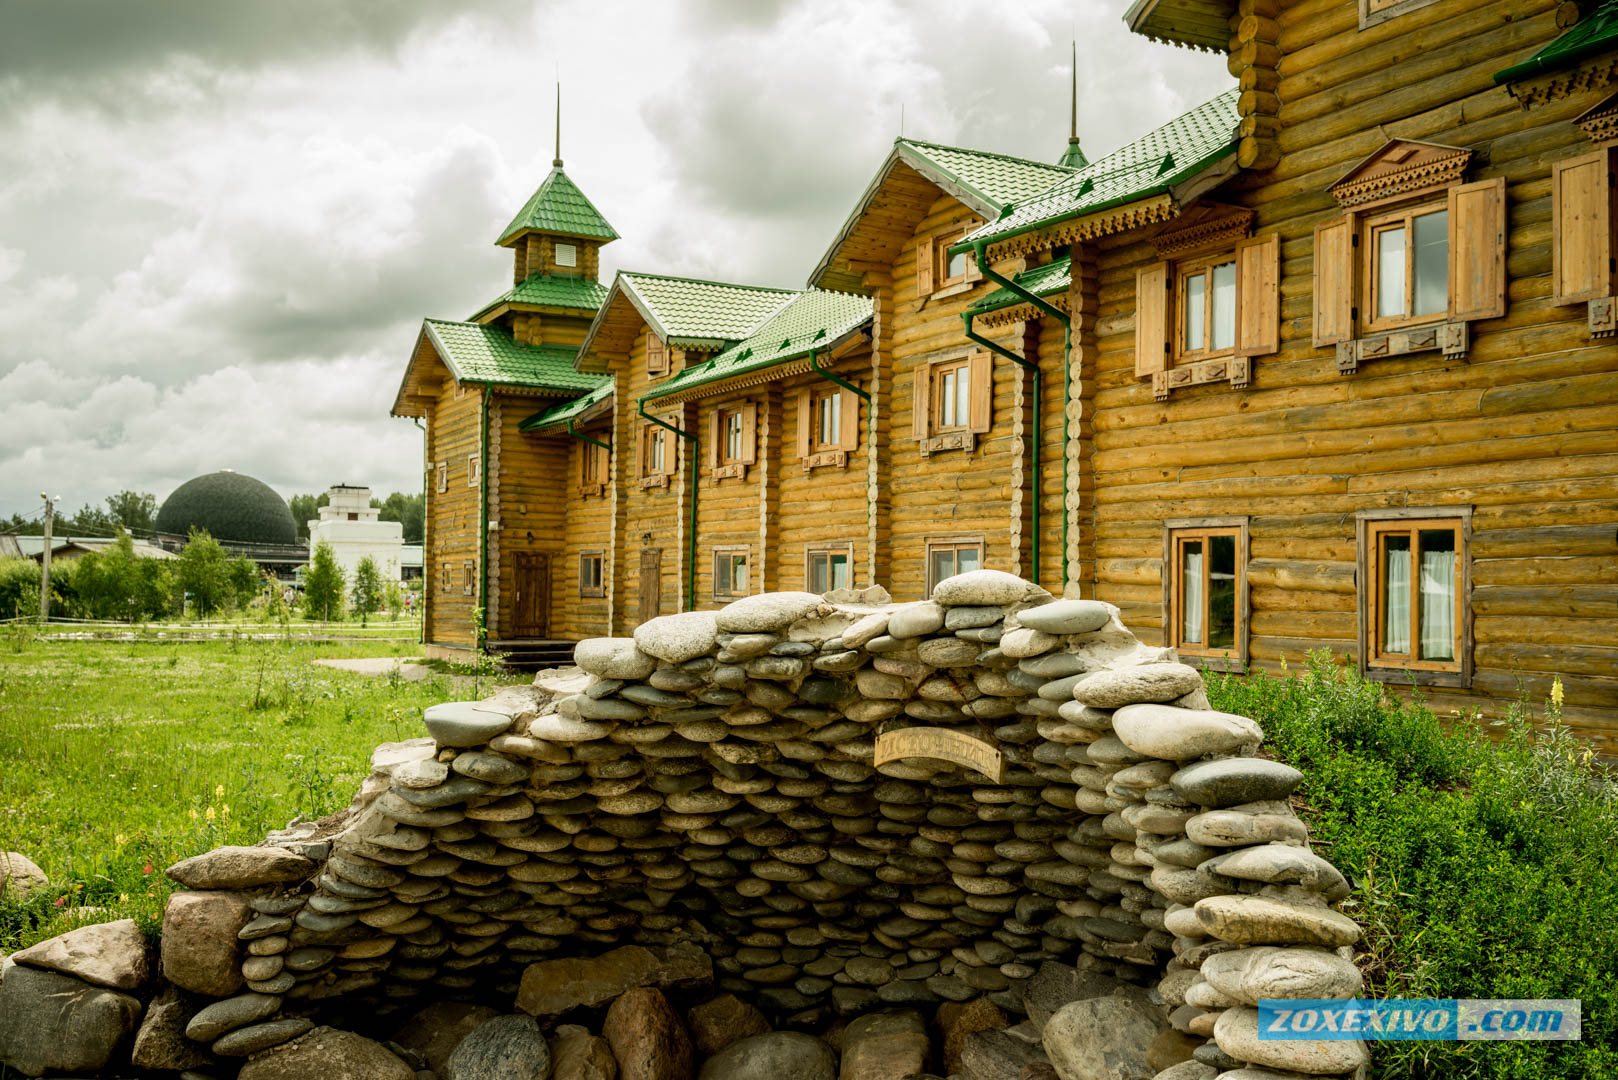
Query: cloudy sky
column 221, row 223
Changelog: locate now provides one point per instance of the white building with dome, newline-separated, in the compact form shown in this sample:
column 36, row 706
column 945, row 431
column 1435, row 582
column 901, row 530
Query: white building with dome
column 349, row 523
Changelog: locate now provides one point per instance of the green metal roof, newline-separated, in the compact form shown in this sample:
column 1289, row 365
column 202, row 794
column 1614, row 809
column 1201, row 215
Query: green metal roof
column 812, row 321
column 568, row 410
column 693, row 313
column 1054, row 277
column 559, row 207
column 488, row 354
column 998, row 179
column 1596, row 33
column 1148, row 166
column 553, row 290
column 1073, row 158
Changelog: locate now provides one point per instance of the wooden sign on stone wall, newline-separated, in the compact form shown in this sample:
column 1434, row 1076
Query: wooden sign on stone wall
column 956, row 747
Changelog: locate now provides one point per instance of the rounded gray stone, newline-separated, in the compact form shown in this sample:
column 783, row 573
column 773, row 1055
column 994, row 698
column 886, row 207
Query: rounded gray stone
column 462, row 723
column 1175, row 734
column 915, row 620
column 678, row 638
column 984, row 587
column 490, row 768
column 499, row 1049
column 613, row 658
column 1132, row 685
column 228, row 1015
column 1067, row 616
column 256, row 1037
column 767, row 612
column 1231, row 781
column 775, row 1055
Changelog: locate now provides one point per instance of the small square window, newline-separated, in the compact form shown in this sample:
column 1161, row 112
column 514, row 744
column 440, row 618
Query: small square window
column 447, row 585
column 471, row 470
column 468, row 576
column 829, row 567
column 956, row 268
column 730, row 572
column 946, row 558
column 567, row 255
column 1205, row 610
column 590, row 573
column 442, row 483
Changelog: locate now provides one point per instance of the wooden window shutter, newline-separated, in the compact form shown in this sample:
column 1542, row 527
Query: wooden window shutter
column 1583, row 199
column 1477, row 250
column 1258, row 296
column 806, row 421
column 981, row 381
column 749, row 432
column 921, row 408
column 849, row 422
column 924, row 268
column 603, row 463
column 1334, row 281
column 714, row 435
column 1152, row 317
column 640, row 451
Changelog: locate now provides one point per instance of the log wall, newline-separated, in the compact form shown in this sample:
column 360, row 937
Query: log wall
column 453, row 434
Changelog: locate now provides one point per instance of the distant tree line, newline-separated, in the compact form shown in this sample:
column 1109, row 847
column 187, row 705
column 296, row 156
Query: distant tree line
column 136, row 513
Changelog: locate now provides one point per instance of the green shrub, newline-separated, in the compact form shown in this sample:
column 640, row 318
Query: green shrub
column 1481, row 869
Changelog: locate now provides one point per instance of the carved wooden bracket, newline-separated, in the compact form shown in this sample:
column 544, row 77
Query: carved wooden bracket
column 1604, row 316
column 658, row 480
column 734, row 471
column 953, row 440
column 588, row 490
column 1238, row 369
column 833, row 458
column 1452, row 339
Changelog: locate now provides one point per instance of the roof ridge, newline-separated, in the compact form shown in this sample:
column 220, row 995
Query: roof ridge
column 705, row 281
column 987, row 153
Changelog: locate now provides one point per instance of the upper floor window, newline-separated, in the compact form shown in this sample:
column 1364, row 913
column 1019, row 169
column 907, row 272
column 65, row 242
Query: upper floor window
column 1414, row 579
column 1376, row 11
column 730, row 433
column 828, row 419
column 656, row 456
column 732, row 439
column 441, row 484
column 953, row 397
column 1415, row 256
column 468, row 576
column 471, row 470
column 567, row 255
column 1584, row 213
column 937, row 270
column 1211, row 304
column 594, row 465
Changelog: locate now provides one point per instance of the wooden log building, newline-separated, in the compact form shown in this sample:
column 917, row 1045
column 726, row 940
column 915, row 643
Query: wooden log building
column 1328, row 362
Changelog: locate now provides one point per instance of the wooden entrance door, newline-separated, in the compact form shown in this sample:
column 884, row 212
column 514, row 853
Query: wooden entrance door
column 651, row 582
column 532, row 603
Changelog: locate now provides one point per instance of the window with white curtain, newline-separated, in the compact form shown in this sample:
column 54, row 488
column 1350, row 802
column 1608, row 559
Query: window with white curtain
column 1415, row 594
column 1206, row 603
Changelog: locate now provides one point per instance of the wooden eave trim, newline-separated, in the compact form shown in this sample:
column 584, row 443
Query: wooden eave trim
column 1136, row 215
column 1596, row 74
column 1600, row 122
column 1017, row 313
column 1223, row 226
column 1403, row 178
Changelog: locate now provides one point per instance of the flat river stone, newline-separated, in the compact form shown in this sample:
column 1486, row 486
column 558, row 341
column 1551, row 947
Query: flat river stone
column 1235, row 780
column 1132, row 685
column 1174, row 734
column 1066, row 616
column 462, row 723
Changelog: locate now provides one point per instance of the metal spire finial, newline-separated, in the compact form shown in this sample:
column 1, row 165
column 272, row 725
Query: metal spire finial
column 557, row 161
column 1073, row 114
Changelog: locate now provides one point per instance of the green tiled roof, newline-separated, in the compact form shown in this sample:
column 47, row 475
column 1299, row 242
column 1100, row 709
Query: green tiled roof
column 685, row 311
column 1053, row 277
column 998, row 179
column 811, row 321
column 1596, row 33
column 1073, row 157
column 1148, row 166
column 560, row 207
column 488, row 354
column 568, row 410
column 554, row 290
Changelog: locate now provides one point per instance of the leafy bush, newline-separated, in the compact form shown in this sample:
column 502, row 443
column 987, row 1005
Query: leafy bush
column 1480, row 869
column 19, row 588
column 323, row 585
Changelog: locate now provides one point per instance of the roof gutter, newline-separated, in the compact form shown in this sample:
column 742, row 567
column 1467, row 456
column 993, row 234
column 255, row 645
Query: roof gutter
column 980, row 251
column 669, row 389
column 585, row 438
column 870, row 426
column 482, row 624
column 691, row 530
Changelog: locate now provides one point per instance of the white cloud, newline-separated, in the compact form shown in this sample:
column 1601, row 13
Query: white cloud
column 219, row 240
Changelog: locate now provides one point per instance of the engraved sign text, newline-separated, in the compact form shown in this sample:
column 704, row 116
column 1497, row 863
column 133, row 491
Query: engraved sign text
column 952, row 746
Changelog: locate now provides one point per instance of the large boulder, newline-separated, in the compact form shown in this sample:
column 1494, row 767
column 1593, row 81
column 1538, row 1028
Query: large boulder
column 241, row 868
column 647, row 1038
column 50, row 1021
column 552, row 987
column 578, row 1055
column 678, row 638
column 505, row 1047
column 114, row 955
column 1105, row 1038
column 161, row 1043
column 879, row 1045
column 199, row 941
column 766, row 613
column 437, row 1030
column 328, row 1054
column 774, row 1055
column 725, row 1020
column 19, row 877
column 985, row 588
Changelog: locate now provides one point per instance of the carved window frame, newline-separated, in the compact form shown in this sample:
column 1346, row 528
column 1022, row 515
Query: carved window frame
column 1376, row 12
column 598, row 557
column 1378, row 666
column 729, row 554
column 1175, row 532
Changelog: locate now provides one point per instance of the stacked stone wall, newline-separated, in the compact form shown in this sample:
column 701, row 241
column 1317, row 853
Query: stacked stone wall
column 703, row 801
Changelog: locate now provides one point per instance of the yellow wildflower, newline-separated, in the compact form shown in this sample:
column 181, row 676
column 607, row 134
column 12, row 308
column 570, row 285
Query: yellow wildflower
column 123, row 898
column 224, row 809
column 193, row 813
column 219, row 791
column 120, row 839
column 1556, row 691
column 209, row 814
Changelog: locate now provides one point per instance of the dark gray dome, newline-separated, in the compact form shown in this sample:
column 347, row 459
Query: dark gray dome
column 229, row 506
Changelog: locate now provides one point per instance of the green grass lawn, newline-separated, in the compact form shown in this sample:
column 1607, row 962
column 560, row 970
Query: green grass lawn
column 118, row 758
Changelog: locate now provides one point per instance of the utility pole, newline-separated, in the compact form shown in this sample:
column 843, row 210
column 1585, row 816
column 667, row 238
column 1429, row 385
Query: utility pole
column 45, row 561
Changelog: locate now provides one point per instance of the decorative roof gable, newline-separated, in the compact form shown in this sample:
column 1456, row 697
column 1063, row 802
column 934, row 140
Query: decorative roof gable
column 1402, row 167
column 1584, row 57
column 1205, row 224
column 559, row 207
column 1600, row 121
